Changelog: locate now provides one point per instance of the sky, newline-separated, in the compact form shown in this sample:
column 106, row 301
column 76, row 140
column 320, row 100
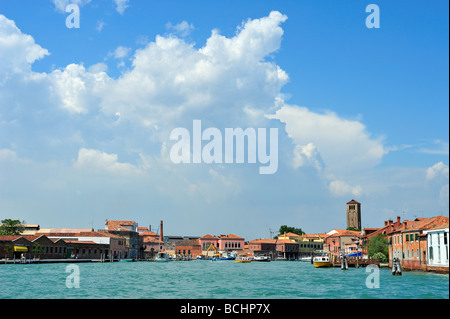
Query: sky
column 86, row 113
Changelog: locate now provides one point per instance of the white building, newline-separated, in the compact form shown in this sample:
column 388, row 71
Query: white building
column 437, row 246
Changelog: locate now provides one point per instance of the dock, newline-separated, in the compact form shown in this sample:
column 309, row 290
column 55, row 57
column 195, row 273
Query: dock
column 356, row 262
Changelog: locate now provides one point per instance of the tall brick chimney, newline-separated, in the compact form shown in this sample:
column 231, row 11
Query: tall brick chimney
column 161, row 237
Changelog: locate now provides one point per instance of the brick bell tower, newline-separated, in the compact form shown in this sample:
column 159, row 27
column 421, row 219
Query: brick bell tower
column 354, row 214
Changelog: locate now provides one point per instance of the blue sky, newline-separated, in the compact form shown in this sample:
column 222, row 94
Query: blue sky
column 85, row 114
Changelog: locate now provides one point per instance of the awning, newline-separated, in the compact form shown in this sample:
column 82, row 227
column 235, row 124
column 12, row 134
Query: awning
column 22, row 249
column 357, row 254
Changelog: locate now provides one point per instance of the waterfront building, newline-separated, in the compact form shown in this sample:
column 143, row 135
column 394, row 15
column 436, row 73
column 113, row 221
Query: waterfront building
column 337, row 239
column 92, row 245
column 169, row 243
column 188, row 248
column 438, row 248
column 409, row 243
column 266, row 247
column 368, row 233
column 287, row 249
column 85, row 249
column 354, row 214
column 207, row 242
column 128, row 230
column 307, row 243
column 32, row 246
column 230, row 242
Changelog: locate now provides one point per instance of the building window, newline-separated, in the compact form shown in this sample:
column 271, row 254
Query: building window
column 431, row 253
column 417, row 237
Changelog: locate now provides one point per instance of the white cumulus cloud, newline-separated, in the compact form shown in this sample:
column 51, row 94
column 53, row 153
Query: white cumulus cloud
column 344, row 145
column 98, row 161
column 121, row 5
column 17, row 50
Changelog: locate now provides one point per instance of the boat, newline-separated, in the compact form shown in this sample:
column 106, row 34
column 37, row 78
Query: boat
column 261, row 258
column 305, row 259
column 126, row 260
column 162, row 256
column 321, row 260
column 228, row 256
column 243, row 260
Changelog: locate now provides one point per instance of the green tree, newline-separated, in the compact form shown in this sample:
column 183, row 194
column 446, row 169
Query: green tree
column 37, row 249
column 11, row 227
column 353, row 228
column 378, row 244
column 380, row 256
column 290, row 229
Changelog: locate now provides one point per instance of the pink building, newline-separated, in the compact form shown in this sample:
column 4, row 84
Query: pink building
column 231, row 242
column 223, row 242
column 206, row 241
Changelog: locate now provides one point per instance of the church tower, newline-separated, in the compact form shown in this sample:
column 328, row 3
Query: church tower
column 354, row 214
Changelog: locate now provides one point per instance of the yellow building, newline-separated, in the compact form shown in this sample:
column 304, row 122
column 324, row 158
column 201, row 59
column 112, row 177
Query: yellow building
column 308, row 243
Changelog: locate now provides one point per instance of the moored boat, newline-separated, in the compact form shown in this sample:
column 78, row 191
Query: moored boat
column 162, row 257
column 228, row 256
column 321, row 260
column 243, row 260
column 262, row 258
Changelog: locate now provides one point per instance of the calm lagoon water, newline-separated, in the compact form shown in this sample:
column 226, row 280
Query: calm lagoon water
column 215, row 280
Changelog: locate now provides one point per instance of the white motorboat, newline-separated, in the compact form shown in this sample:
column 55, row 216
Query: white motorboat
column 162, row 256
column 261, row 258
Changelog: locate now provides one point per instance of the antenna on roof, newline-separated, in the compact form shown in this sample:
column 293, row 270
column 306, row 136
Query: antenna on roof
column 272, row 232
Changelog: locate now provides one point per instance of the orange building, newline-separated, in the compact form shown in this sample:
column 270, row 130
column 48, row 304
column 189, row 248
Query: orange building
column 266, row 247
column 408, row 243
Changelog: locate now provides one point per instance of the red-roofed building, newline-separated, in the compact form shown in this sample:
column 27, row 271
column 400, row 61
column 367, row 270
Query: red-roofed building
column 32, row 246
column 266, row 247
column 287, row 249
column 208, row 240
column 128, row 230
column 230, row 242
column 188, row 249
column 93, row 245
column 338, row 240
column 408, row 242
